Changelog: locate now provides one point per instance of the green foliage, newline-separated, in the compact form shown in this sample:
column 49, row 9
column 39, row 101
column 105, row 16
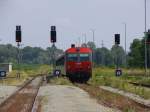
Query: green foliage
column 26, row 72
column 91, row 45
column 103, row 57
column 118, row 55
column 60, row 81
column 29, row 55
column 136, row 54
column 8, row 53
column 106, row 77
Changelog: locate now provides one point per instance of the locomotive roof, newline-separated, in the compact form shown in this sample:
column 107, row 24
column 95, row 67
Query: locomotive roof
column 79, row 49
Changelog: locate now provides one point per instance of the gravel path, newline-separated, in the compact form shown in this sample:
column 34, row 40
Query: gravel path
column 6, row 91
column 59, row 98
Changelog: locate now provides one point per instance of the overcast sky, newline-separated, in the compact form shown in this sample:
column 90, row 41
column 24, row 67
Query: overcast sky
column 73, row 18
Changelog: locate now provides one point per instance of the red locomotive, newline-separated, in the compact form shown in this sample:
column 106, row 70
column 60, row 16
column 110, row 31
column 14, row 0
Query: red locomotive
column 76, row 63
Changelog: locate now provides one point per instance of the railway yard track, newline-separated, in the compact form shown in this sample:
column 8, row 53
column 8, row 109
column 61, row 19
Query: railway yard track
column 23, row 99
column 139, row 84
column 29, row 98
column 103, row 97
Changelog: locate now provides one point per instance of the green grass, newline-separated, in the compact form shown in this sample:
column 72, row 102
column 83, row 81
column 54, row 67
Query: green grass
column 113, row 100
column 26, row 71
column 106, row 77
column 60, row 81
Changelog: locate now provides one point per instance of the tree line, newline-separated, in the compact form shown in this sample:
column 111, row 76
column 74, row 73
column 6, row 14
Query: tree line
column 135, row 58
column 101, row 56
column 28, row 55
column 108, row 57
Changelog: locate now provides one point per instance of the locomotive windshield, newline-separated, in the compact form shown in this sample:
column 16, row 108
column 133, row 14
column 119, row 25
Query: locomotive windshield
column 79, row 57
column 72, row 57
column 85, row 57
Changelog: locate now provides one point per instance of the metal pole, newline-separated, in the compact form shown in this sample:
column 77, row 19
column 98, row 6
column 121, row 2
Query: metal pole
column 85, row 37
column 117, row 57
column 145, row 15
column 145, row 39
column 103, row 54
column 53, row 47
column 18, row 74
column 93, row 31
column 79, row 42
column 125, row 44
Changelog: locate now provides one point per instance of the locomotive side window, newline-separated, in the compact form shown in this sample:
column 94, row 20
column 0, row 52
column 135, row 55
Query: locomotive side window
column 72, row 57
column 85, row 57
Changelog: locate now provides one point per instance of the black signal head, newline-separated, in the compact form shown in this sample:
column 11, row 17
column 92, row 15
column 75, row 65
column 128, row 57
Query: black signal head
column 53, row 28
column 53, row 34
column 117, row 39
column 18, row 33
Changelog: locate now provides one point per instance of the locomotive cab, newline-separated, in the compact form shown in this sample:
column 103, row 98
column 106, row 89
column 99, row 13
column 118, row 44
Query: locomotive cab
column 79, row 64
column 76, row 64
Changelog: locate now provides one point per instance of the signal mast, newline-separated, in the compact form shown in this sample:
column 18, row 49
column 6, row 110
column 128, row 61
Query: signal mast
column 53, row 36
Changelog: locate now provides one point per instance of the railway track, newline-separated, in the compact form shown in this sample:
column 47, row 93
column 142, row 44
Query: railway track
column 23, row 99
column 119, row 101
column 139, row 84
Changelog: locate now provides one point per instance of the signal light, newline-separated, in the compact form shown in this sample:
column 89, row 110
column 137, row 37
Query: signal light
column 18, row 33
column 53, row 34
column 117, row 39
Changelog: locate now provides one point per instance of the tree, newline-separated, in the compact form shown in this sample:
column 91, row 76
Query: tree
column 118, row 55
column 136, row 54
column 91, row 45
column 103, row 57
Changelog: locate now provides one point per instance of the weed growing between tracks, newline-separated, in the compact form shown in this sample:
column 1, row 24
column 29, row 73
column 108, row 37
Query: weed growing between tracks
column 60, row 81
column 106, row 77
column 26, row 71
column 113, row 100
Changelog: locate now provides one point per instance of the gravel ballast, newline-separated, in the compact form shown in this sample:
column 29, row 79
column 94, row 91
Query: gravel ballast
column 6, row 91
